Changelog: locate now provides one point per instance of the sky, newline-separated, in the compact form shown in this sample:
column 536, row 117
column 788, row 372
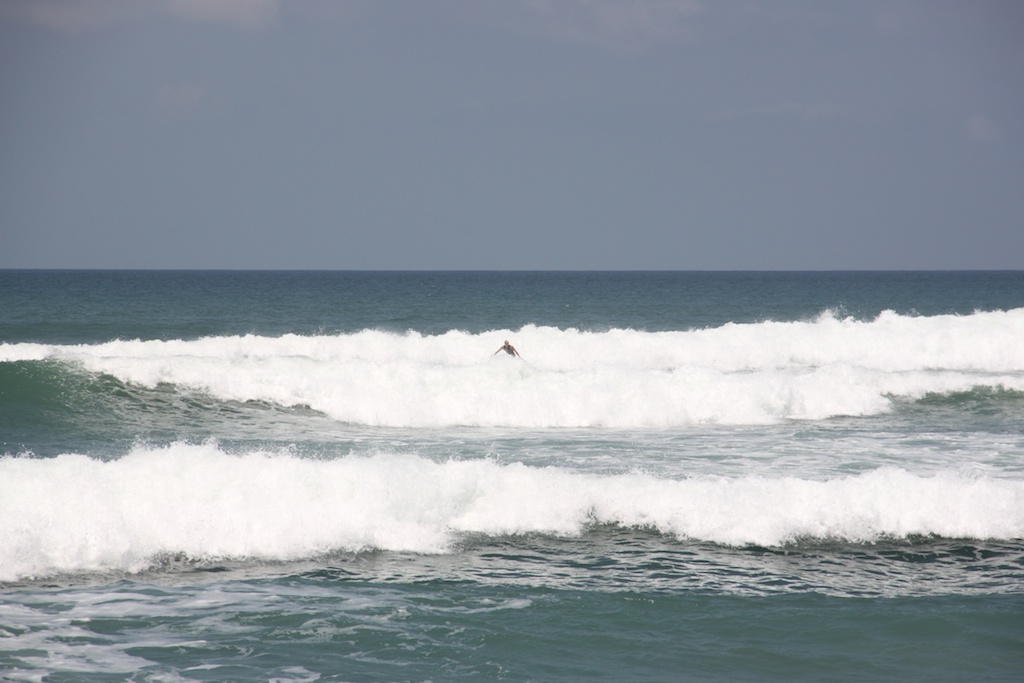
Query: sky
column 512, row 134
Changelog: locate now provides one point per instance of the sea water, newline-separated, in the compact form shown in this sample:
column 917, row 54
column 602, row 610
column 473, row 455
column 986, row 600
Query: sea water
column 317, row 476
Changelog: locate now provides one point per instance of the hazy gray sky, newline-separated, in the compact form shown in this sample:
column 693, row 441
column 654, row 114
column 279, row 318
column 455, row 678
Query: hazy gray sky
column 538, row 134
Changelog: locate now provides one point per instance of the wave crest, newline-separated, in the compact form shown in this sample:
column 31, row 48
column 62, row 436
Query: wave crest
column 73, row 513
column 734, row 374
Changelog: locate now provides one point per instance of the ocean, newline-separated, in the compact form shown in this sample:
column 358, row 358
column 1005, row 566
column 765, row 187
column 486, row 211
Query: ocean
column 337, row 476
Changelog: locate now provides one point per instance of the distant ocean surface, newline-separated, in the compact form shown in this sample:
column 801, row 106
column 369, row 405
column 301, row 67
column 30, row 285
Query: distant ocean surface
column 330, row 476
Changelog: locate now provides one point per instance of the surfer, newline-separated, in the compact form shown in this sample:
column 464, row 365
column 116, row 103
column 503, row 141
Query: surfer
column 507, row 348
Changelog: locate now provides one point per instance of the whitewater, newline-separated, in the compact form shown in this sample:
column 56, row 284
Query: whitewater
column 199, row 499
column 735, row 374
column 245, row 476
column 130, row 513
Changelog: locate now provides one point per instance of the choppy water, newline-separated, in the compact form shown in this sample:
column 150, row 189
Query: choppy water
column 332, row 476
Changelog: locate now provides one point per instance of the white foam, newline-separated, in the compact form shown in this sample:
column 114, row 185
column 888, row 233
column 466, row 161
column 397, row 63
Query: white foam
column 74, row 513
column 735, row 374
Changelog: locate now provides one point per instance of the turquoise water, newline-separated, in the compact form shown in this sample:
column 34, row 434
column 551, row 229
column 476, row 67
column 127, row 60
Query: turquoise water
column 240, row 476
